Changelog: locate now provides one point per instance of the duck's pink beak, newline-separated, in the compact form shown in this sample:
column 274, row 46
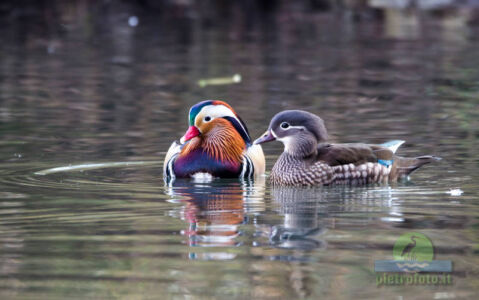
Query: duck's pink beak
column 266, row 137
column 190, row 133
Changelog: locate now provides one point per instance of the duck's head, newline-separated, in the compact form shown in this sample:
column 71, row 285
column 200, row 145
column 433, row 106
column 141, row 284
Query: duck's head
column 299, row 131
column 216, row 126
column 208, row 115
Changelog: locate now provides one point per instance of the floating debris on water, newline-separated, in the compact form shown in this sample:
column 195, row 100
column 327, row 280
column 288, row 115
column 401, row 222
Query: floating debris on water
column 236, row 78
column 455, row 192
column 84, row 167
column 133, row 21
column 12, row 143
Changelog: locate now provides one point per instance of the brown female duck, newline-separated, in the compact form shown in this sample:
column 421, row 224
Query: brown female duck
column 309, row 160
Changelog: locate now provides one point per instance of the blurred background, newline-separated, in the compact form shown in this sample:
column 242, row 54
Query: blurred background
column 131, row 67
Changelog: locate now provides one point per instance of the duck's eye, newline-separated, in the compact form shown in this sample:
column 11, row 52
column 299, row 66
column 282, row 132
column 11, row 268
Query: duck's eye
column 284, row 125
column 207, row 118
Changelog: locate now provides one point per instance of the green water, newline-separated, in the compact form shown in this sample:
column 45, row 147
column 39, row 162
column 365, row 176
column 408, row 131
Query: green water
column 97, row 91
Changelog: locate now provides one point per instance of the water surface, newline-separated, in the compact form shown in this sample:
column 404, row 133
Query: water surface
column 95, row 90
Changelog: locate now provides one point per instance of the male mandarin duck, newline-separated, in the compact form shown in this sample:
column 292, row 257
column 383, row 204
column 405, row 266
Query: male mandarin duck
column 216, row 144
column 308, row 160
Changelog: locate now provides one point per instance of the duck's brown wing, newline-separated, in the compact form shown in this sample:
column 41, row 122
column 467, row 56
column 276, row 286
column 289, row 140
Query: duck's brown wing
column 341, row 154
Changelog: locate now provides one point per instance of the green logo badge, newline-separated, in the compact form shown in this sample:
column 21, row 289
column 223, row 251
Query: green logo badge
column 413, row 246
column 413, row 252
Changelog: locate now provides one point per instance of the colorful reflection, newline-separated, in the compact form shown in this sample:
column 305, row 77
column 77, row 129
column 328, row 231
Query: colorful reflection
column 215, row 210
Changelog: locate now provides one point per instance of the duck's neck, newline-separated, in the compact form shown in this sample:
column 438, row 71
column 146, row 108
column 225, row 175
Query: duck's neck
column 303, row 148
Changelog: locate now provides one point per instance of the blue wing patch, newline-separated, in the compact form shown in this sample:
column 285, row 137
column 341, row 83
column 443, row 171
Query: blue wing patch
column 385, row 162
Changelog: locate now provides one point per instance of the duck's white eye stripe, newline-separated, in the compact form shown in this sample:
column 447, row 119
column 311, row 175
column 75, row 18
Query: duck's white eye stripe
column 218, row 111
column 291, row 127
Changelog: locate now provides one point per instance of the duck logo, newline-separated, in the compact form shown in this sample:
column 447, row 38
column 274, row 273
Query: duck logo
column 413, row 252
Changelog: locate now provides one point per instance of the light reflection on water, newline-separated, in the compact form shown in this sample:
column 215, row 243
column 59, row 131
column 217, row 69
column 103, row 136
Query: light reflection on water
column 121, row 94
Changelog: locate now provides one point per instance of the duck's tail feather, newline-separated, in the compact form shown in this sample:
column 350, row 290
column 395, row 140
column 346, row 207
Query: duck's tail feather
column 393, row 145
column 404, row 166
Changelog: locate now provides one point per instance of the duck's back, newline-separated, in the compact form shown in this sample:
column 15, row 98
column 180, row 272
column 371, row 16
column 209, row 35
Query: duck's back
column 356, row 154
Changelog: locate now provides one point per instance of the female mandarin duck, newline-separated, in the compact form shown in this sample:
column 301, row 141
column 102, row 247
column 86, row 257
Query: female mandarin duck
column 308, row 160
column 217, row 144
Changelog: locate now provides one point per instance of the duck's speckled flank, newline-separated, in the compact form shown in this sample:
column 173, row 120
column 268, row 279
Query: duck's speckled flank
column 290, row 170
column 361, row 174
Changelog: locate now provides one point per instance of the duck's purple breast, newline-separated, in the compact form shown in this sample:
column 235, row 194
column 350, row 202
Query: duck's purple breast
column 199, row 161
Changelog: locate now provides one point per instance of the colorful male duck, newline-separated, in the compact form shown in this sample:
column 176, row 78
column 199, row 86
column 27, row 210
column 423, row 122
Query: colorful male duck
column 217, row 144
column 308, row 160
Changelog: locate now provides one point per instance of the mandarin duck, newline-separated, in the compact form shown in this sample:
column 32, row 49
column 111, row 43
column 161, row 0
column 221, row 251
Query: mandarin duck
column 216, row 144
column 309, row 160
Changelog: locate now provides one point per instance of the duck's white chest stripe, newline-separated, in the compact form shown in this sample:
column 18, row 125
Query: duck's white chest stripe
column 248, row 167
column 251, row 167
column 169, row 168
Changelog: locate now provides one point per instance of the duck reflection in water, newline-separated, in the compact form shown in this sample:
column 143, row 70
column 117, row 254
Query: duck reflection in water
column 215, row 210
column 302, row 227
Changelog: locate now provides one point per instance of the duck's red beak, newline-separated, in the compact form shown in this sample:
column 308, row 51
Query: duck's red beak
column 190, row 133
column 266, row 137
